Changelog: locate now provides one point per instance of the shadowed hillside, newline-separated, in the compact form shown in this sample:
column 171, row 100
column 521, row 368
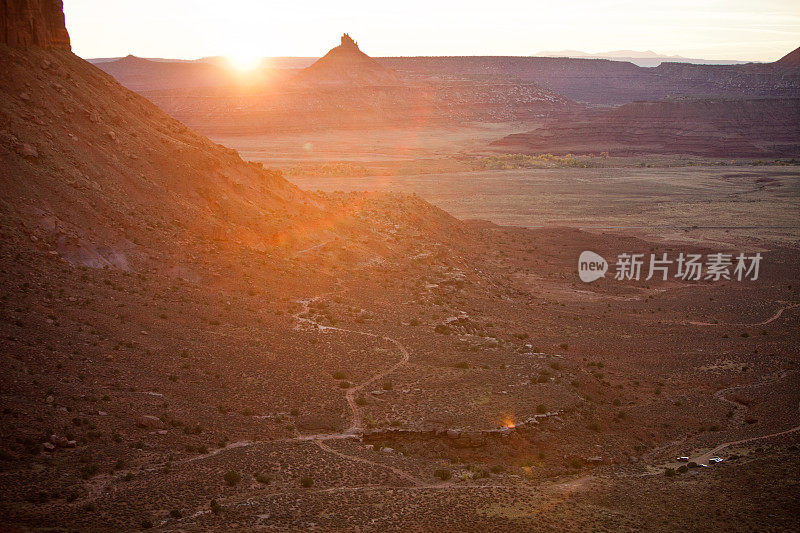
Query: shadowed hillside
column 713, row 128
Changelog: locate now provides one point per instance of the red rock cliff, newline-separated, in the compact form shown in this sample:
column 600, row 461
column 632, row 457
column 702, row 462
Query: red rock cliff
column 25, row 23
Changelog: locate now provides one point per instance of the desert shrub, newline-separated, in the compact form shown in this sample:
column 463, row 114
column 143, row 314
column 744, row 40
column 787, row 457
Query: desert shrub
column 387, row 385
column 295, row 412
column 339, row 375
column 692, row 464
column 196, row 430
column 344, row 384
column 541, row 409
column 216, row 508
column 306, row 482
column 683, row 469
column 175, row 513
column 335, row 169
column 518, row 161
column 262, row 478
column 147, row 523
column 442, row 329
column 669, row 472
column 497, row 469
column 31, row 446
column 462, row 365
column 232, row 478
column 89, row 470
column 443, row 473
column 361, row 400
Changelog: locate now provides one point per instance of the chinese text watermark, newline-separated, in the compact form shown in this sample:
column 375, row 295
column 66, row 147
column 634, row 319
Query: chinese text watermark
column 684, row 266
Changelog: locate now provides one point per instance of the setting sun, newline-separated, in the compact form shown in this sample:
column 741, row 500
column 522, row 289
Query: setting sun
column 244, row 60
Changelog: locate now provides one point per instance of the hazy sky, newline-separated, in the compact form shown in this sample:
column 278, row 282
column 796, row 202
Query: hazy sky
column 714, row 29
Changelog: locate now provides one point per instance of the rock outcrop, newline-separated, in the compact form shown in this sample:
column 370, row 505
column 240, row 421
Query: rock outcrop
column 33, row 23
column 347, row 64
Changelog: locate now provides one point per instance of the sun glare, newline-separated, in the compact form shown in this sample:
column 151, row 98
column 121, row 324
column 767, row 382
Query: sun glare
column 244, row 61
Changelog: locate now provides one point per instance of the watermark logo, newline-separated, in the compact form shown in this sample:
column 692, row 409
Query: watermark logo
column 687, row 267
column 591, row 266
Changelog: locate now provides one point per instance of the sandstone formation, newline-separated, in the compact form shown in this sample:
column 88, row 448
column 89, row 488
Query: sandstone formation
column 347, row 64
column 38, row 23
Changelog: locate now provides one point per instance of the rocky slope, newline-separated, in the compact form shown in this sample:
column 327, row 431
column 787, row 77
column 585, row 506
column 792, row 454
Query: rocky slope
column 790, row 60
column 716, row 128
column 94, row 169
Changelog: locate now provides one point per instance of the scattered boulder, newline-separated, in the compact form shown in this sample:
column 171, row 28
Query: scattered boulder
column 27, row 151
column 150, row 422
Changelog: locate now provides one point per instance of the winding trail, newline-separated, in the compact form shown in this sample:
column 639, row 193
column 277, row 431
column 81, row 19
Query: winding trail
column 773, row 318
column 402, row 473
column 357, row 417
column 704, row 457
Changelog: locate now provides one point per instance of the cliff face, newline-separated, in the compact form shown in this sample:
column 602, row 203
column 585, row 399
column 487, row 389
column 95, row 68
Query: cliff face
column 33, row 23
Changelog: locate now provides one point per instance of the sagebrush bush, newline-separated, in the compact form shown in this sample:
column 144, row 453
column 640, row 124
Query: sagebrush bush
column 232, row 478
column 443, row 473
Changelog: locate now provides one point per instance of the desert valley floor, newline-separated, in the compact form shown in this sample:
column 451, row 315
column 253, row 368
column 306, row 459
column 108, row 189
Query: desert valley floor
column 356, row 305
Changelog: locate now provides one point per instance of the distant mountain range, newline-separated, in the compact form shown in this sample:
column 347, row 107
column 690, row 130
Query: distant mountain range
column 643, row 59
